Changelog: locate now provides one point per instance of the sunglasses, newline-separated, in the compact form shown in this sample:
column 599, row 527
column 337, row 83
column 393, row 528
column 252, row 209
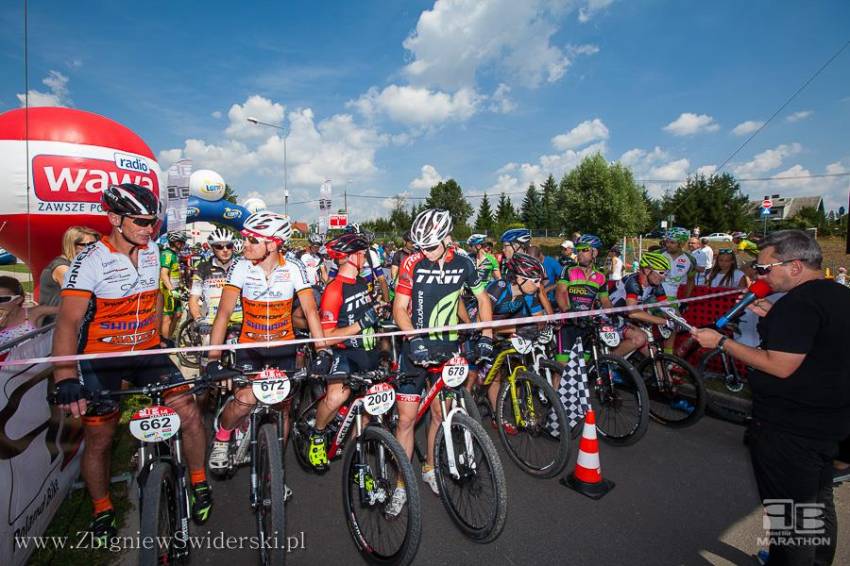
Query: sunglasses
column 220, row 247
column 8, row 298
column 82, row 243
column 142, row 222
column 765, row 268
column 662, row 274
column 725, row 251
column 583, row 248
column 429, row 248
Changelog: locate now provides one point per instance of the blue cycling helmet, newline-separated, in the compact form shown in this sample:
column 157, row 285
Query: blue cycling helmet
column 476, row 240
column 516, row 236
column 589, row 240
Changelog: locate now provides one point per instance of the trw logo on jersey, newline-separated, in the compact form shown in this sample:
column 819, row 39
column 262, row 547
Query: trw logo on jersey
column 447, row 277
column 82, row 179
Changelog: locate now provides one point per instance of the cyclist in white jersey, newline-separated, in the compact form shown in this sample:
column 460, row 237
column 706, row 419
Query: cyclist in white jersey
column 683, row 271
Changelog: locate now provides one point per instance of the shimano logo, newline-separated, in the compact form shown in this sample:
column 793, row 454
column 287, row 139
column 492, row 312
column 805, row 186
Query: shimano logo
column 131, row 163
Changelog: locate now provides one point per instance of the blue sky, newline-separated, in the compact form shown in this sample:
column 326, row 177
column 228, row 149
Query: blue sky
column 388, row 97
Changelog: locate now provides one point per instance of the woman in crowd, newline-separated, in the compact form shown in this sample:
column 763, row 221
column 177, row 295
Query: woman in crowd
column 725, row 272
column 15, row 319
column 75, row 239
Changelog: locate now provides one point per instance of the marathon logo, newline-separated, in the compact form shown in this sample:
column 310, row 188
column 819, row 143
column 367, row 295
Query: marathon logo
column 131, row 163
column 82, row 179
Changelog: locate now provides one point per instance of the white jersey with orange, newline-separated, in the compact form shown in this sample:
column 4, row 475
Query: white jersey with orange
column 267, row 301
column 682, row 269
column 122, row 312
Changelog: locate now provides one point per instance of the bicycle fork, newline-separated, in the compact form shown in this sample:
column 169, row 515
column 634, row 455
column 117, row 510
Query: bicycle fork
column 467, row 457
column 181, row 547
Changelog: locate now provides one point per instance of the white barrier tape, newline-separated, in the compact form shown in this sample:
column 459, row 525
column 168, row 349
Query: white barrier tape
column 298, row 341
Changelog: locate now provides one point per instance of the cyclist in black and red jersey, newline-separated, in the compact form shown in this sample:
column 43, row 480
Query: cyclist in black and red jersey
column 347, row 309
column 429, row 287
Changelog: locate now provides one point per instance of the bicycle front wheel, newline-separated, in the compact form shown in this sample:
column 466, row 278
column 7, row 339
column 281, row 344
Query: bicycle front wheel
column 533, row 425
column 159, row 521
column 270, row 510
column 188, row 337
column 676, row 390
column 715, row 405
column 475, row 494
column 369, row 479
column 619, row 399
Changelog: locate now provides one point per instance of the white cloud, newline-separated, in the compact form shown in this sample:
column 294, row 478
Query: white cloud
column 334, row 148
column 417, row 106
column 500, row 101
column 457, row 38
column 797, row 181
column 767, row 160
column 747, row 127
column 586, row 132
column 427, row 179
column 706, row 170
column 587, row 11
column 688, row 124
column 657, row 164
column 797, row 116
column 641, row 160
column 257, row 107
column 216, row 114
column 57, row 85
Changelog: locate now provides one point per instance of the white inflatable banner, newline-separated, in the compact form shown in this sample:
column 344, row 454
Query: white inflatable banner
column 178, row 194
column 39, row 452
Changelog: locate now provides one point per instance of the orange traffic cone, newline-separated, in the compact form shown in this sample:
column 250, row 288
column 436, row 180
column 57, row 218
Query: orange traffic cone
column 587, row 478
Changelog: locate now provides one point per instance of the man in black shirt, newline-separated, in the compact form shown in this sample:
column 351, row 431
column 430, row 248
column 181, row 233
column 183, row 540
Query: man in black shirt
column 801, row 396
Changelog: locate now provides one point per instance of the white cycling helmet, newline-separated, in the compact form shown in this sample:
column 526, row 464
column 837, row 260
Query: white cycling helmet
column 220, row 236
column 269, row 225
column 431, row 227
column 238, row 245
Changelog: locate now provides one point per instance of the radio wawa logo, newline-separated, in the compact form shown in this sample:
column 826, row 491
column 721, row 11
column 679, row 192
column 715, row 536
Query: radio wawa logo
column 82, row 179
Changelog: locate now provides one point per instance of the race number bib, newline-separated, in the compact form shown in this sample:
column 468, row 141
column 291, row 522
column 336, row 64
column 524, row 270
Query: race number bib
column 455, row 371
column 271, row 386
column 154, row 424
column 609, row 335
column 379, row 399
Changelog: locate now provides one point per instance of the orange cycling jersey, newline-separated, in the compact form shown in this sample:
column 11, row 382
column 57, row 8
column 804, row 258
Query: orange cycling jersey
column 122, row 311
column 267, row 301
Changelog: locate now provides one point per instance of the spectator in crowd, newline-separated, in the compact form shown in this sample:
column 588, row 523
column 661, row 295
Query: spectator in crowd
column 16, row 319
column 841, row 277
column 401, row 255
column 75, row 240
column 800, row 383
column 696, row 231
column 568, row 256
column 614, row 267
column 704, row 255
column 725, row 273
column 552, row 268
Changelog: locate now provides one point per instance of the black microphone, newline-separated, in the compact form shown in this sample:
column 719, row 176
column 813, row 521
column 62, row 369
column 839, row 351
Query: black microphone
column 758, row 290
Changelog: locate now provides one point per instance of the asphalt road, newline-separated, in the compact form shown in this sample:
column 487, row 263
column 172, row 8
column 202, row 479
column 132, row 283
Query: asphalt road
column 681, row 497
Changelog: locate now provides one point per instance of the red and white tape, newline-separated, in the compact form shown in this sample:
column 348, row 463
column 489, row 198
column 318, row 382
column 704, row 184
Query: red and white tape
column 298, row 341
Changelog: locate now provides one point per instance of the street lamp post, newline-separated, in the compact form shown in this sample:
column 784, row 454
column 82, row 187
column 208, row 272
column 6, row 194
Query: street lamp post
column 285, row 135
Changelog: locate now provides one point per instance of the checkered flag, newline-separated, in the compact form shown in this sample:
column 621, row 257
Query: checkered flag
column 573, row 391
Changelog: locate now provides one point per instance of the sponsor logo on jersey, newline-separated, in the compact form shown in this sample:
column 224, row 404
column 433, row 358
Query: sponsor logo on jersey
column 129, row 339
column 131, row 163
column 82, row 179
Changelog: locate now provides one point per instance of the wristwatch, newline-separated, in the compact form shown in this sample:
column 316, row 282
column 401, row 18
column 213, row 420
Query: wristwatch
column 722, row 341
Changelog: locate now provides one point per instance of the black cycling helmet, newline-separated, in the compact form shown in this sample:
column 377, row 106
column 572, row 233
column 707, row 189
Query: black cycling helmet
column 524, row 265
column 348, row 244
column 129, row 199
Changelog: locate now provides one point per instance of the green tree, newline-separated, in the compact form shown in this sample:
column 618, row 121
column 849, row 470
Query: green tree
column 531, row 211
column 505, row 213
column 230, row 195
column 715, row 204
column 602, row 199
column 449, row 195
column 400, row 217
column 484, row 220
column 548, row 203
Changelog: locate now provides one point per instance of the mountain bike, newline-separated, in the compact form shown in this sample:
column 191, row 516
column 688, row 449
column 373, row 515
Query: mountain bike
column 619, row 395
column 469, row 473
column 373, row 464
column 529, row 416
column 262, row 446
column 161, row 475
column 191, row 333
column 677, row 395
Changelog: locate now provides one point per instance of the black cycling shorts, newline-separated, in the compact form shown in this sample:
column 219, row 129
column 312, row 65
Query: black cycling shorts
column 353, row 360
column 414, row 376
column 108, row 373
column 255, row 359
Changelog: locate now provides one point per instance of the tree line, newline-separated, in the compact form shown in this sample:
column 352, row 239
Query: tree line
column 602, row 198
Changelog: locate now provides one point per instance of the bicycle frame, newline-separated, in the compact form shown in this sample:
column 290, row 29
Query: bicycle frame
column 498, row 362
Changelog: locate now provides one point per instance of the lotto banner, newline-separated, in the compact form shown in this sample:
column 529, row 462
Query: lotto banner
column 39, row 451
